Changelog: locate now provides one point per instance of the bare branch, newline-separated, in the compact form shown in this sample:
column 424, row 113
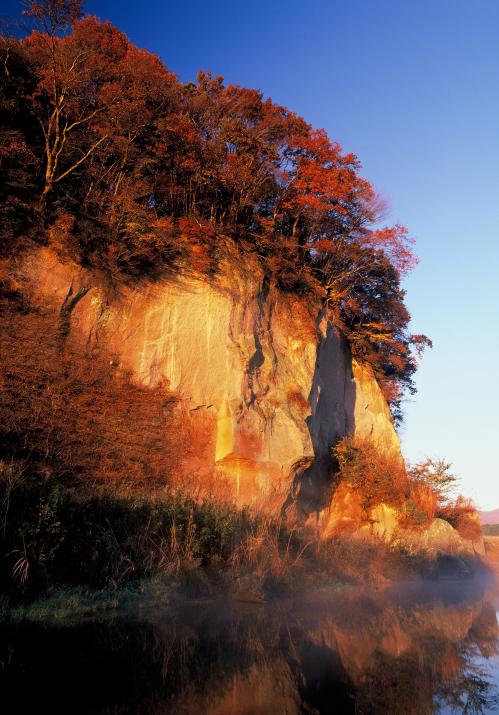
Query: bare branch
column 6, row 69
column 80, row 161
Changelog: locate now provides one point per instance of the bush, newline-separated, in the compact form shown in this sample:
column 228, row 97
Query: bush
column 462, row 515
column 431, row 487
column 420, row 506
column 435, row 474
column 377, row 476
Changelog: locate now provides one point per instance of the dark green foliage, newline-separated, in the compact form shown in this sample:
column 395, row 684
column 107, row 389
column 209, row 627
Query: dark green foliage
column 54, row 536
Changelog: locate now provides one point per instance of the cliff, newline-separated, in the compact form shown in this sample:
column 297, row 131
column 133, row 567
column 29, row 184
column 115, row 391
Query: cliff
column 262, row 379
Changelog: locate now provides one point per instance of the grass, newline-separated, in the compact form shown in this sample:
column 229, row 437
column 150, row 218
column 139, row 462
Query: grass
column 56, row 536
column 82, row 550
column 70, row 604
column 75, row 548
column 63, row 605
column 106, row 538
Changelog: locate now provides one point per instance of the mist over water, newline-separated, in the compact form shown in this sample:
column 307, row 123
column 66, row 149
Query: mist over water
column 415, row 648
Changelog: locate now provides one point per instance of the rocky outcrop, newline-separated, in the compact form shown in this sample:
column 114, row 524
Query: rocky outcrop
column 435, row 539
column 264, row 379
column 439, row 538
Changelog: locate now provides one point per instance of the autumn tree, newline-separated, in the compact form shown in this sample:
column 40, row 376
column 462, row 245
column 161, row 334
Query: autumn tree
column 20, row 154
column 437, row 474
column 107, row 155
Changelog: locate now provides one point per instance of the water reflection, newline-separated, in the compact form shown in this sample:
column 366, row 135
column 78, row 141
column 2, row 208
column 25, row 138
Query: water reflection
column 414, row 649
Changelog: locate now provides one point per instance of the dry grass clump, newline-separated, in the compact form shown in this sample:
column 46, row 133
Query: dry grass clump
column 352, row 560
column 270, row 551
column 461, row 514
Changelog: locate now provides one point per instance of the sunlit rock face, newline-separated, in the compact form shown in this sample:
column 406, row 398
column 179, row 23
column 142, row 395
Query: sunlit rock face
column 264, row 386
column 345, row 515
column 372, row 415
column 263, row 379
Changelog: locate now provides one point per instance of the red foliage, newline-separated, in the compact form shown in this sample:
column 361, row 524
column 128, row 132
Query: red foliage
column 102, row 131
column 462, row 515
column 377, row 476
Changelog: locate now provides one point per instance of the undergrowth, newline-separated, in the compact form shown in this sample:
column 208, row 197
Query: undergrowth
column 56, row 535
column 66, row 551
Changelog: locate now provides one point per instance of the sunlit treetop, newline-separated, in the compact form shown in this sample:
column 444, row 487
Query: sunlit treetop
column 110, row 156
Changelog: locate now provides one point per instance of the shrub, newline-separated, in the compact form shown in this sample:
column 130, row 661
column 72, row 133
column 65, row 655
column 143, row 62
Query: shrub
column 378, row 476
column 435, row 474
column 56, row 535
column 420, row 505
column 462, row 515
column 431, row 486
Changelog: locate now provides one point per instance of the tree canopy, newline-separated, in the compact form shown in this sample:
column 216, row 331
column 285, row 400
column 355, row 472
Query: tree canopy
column 104, row 150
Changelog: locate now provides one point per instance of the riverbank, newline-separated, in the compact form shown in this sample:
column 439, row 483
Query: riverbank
column 78, row 550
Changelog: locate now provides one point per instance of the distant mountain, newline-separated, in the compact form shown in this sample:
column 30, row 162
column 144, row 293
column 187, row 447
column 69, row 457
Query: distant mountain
column 489, row 517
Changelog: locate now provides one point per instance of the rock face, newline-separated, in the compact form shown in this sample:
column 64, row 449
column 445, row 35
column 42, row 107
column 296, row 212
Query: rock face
column 437, row 539
column 264, row 379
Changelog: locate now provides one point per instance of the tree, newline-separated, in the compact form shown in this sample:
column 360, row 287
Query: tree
column 19, row 153
column 437, row 475
column 136, row 173
column 53, row 16
column 71, row 71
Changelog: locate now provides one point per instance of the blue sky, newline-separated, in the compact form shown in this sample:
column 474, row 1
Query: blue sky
column 412, row 87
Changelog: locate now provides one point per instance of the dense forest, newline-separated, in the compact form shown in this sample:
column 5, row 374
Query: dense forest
column 110, row 159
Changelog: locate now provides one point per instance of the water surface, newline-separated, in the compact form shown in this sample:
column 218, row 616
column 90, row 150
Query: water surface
column 416, row 648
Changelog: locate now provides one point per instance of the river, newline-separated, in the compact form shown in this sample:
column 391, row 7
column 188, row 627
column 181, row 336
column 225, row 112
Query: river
column 418, row 647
